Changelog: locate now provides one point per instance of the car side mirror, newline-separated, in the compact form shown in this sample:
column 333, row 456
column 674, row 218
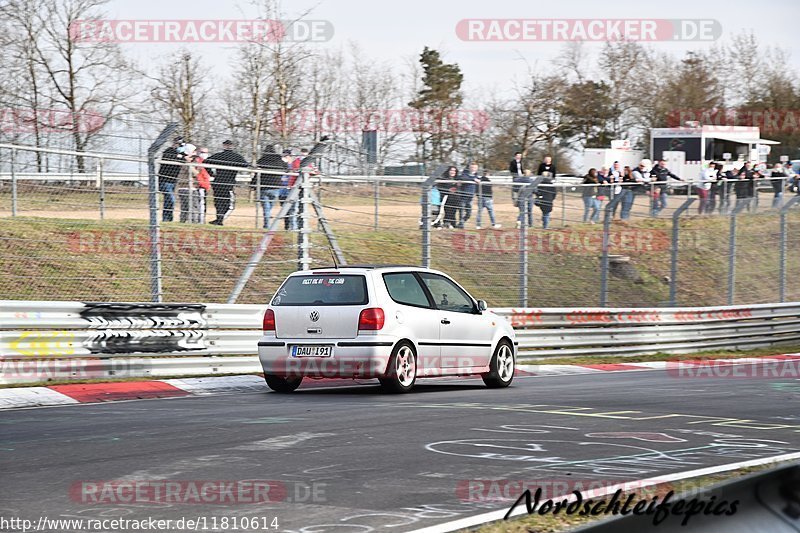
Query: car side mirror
column 482, row 306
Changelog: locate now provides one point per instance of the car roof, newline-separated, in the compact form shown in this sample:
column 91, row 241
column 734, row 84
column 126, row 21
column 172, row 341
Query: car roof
column 363, row 268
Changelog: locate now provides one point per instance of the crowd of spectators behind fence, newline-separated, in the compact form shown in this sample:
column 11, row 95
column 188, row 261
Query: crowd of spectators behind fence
column 455, row 191
column 192, row 184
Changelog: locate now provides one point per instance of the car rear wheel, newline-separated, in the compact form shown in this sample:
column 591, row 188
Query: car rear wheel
column 281, row 384
column 501, row 369
column 402, row 372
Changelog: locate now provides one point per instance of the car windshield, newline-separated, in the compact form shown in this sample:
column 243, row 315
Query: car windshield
column 322, row 289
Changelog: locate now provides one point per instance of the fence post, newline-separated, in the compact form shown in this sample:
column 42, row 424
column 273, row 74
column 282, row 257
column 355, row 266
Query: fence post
column 784, row 211
column 564, row 205
column 426, row 217
column 102, row 184
column 607, row 216
column 732, row 247
column 155, row 228
column 13, row 182
column 305, row 226
column 257, row 175
column 377, row 195
column 523, row 201
column 673, row 271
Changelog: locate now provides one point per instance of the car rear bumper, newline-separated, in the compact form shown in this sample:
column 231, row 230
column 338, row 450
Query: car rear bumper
column 356, row 358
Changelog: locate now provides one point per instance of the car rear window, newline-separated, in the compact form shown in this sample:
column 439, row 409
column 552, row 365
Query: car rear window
column 322, row 289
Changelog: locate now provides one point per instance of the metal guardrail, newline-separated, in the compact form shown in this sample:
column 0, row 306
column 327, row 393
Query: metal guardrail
column 42, row 340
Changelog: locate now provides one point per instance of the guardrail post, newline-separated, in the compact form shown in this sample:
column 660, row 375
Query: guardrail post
column 102, row 185
column 732, row 248
column 13, row 182
column 155, row 228
column 305, row 226
column 673, row 271
column 607, row 216
column 784, row 234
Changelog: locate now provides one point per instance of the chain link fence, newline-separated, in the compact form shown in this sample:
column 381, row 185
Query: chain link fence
column 88, row 235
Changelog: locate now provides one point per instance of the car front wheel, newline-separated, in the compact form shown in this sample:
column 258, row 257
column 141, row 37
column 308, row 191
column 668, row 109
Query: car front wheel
column 402, row 372
column 281, row 384
column 501, row 369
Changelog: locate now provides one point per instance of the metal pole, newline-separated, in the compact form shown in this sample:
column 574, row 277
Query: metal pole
column 377, row 194
column 563, row 205
column 732, row 249
column 258, row 197
column 784, row 234
column 263, row 245
column 524, row 196
column 190, row 218
column 305, row 230
column 102, row 184
column 13, row 183
column 155, row 228
column 673, row 274
column 426, row 217
column 604, row 261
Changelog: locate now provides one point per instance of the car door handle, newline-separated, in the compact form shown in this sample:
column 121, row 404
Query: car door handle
column 445, row 321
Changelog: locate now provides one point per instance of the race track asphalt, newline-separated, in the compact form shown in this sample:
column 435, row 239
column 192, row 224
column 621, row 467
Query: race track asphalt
column 354, row 459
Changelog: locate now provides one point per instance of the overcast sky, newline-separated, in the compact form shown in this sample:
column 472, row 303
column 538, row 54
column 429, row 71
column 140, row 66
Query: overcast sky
column 394, row 31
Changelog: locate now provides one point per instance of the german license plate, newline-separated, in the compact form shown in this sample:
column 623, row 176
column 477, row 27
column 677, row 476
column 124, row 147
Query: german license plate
column 315, row 350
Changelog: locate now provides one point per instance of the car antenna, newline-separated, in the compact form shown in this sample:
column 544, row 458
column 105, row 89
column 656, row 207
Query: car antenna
column 333, row 256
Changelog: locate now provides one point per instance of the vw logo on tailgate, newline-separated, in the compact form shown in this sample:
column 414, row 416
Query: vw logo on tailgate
column 314, row 316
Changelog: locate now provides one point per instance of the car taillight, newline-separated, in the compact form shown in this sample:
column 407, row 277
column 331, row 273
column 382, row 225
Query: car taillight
column 269, row 321
column 371, row 319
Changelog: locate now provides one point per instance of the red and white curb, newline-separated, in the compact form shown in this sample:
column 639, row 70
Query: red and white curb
column 174, row 388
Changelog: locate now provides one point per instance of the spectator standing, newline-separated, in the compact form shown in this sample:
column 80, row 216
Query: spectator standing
column 189, row 187
column 517, row 167
column 518, row 183
column 708, row 176
column 225, row 180
column 661, row 175
column 485, row 200
column 168, row 177
column 268, row 185
column 292, row 166
column 746, row 186
column 468, row 183
column 545, row 197
column 546, row 167
column 589, row 194
column 714, row 190
column 447, row 185
column 604, row 189
column 778, row 179
column 640, row 180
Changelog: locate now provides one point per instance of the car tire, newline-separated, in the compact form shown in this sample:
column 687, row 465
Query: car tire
column 501, row 368
column 281, row 384
column 401, row 373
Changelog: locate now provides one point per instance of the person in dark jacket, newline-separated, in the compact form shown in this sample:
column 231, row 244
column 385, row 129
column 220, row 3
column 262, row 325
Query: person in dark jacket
column 546, row 166
column 225, row 180
column 745, row 188
column 778, row 181
column 448, row 190
column 168, row 177
column 517, row 166
column 661, row 175
column 468, row 184
column 545, row 197
column 589, row 195
column 485, row 200
column 268, row 185
column 519, row 182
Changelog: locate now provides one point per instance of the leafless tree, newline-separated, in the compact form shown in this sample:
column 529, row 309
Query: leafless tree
column 181, row 91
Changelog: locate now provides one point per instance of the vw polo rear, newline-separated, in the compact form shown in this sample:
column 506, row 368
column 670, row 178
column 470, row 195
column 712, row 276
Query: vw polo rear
column 323, row 325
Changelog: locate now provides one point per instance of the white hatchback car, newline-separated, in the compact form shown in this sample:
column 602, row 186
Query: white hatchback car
column 394, row 323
